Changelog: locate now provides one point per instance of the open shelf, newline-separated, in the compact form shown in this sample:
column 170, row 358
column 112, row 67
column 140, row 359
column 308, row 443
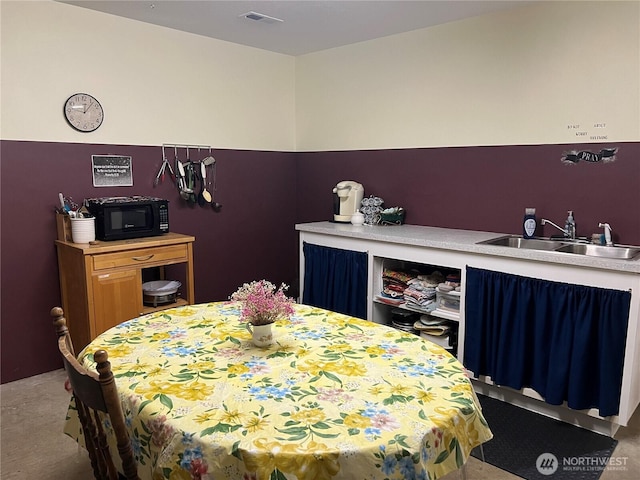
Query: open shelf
column 383, row 306
column 180, row 302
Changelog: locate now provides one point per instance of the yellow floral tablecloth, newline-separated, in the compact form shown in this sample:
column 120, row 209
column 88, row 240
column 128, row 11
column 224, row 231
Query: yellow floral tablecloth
column 335, row 397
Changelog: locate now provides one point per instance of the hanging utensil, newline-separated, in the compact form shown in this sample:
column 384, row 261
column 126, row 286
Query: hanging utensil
column 190, row 184
column 163, row 167
column 180, row 175
column 209, row 160
column 177, row 172
column 198, row 172
column 181, row 182
column 191, row 181
column 204, row 193
column 216, row 206
column 161, row 171
column 166, row 163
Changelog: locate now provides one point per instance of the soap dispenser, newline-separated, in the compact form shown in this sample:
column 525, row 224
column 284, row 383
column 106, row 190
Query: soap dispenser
column 529, row 223
column 570, row 225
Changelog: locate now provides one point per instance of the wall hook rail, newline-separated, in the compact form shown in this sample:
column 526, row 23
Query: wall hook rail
column 186, row 146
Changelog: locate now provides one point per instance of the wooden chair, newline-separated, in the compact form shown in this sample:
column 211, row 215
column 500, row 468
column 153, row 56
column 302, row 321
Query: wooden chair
column 96, row 392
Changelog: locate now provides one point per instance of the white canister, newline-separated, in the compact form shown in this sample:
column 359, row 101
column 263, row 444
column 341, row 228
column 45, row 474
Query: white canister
column 83, row 230
column 357, row 218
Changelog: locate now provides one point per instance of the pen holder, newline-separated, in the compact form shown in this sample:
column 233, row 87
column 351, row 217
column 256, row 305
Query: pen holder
column 63, row 226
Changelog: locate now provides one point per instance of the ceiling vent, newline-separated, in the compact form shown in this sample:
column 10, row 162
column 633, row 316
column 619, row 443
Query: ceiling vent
column 261, row 17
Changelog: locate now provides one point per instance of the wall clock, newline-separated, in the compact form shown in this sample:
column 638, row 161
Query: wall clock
column 83, row 112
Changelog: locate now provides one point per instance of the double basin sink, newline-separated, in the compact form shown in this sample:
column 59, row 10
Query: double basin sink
column 621, row 252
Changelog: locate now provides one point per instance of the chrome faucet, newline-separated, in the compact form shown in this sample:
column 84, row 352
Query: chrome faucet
column 607, row 233
column 571, row 235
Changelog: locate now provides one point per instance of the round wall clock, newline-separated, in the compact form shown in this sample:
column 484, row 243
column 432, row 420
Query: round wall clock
column 83, row 112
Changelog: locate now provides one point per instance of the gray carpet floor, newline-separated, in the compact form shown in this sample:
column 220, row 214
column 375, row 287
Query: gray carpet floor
column 32, row 445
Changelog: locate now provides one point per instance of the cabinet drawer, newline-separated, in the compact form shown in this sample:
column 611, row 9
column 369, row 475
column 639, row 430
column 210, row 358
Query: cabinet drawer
column 141, row 257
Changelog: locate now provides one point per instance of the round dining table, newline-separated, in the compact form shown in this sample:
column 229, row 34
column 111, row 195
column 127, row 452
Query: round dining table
column 334, row 397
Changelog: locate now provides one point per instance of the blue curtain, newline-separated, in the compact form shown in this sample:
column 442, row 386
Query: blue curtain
column 335, row 279
column 565, row 341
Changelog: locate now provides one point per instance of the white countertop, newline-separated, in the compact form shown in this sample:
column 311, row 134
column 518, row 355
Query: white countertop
column 462, row 241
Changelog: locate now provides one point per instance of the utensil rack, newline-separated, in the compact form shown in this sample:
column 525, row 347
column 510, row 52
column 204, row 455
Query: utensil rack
column 204, row 197
column 186, row 146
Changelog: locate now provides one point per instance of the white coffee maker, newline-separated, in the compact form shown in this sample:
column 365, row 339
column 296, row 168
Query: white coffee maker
column 347, row 196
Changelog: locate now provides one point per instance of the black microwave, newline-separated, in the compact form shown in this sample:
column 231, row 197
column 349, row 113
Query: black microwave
column 120, row 218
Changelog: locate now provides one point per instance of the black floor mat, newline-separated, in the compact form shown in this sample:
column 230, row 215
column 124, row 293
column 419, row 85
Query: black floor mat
column 520, row 437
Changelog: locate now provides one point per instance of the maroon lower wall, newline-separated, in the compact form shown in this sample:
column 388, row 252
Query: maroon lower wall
column 264, row 194
column 252, row 236
column 484, row 188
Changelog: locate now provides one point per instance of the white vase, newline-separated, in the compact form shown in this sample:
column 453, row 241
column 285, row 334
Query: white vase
column 261, row 335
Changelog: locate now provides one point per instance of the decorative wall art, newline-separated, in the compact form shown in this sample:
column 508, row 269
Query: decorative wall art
column 605, row 155
column 111, row 171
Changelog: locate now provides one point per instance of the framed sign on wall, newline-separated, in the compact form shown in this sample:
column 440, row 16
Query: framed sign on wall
column 111, row 171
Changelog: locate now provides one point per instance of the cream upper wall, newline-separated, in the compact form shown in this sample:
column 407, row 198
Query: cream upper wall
column 156, row 85
column 518, row 77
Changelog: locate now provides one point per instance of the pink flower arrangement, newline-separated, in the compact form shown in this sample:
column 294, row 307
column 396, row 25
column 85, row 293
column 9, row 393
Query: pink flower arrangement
column 262, row 303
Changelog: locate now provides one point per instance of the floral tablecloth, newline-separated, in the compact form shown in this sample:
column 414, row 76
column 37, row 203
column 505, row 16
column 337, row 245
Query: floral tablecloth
column 335, row 397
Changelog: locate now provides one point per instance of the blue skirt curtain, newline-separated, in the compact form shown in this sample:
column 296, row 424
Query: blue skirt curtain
column 335, row 279
column 565, row 341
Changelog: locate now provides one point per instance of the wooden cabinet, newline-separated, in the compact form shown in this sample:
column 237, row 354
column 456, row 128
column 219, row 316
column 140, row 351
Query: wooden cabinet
column 112, row 298
column 101, row 284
